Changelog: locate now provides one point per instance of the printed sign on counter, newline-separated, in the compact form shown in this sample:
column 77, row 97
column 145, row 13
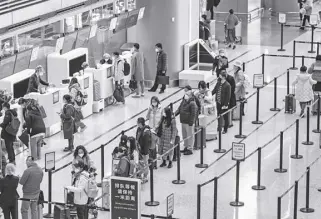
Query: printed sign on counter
column 50, row 161
column 282, row 18
column 93, row 31
column 313, row 19
column 258, row 80
column 124, row 198
column 34, row 54
column 170, row 205
column 141, row 13
column 59, row 44
column 238, row 151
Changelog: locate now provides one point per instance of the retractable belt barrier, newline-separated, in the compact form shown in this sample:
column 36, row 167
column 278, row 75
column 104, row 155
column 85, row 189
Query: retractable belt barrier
column 303, row 57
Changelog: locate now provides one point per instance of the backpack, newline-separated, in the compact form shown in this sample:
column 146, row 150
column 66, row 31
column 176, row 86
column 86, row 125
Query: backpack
column 81, row 99
column 13, row 127
column 119, row 94
column 92, row 188
column 126, row 70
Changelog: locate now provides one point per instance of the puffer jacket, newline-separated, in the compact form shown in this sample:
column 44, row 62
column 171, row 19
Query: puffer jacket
column 154, row 116
column 73, row 90
column 79, row 188
column 304, row 92
column 188, row 111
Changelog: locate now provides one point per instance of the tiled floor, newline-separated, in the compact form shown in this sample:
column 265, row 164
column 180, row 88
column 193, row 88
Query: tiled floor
column 261, row 205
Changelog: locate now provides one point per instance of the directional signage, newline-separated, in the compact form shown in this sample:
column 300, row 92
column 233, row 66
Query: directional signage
column 170, row 205
column 258, row 80
column 238, row 151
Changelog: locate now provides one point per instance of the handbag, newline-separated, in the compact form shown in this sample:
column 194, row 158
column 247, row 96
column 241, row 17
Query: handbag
column 24, row 138
column 162, row 79
column 133, row 84
column 42, row 112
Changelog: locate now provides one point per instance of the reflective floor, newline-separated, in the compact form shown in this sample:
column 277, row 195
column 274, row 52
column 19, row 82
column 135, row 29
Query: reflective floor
column 258, row 205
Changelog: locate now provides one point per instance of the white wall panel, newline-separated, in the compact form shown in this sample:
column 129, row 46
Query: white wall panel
column 67, row 3
column 5, row 20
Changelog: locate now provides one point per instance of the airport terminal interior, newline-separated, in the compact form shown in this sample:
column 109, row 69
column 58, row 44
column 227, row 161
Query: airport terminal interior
column 264, row 166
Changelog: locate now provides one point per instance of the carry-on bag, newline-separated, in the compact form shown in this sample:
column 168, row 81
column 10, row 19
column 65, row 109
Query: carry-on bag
column 290, row 103
column 163, row 79
column 61, row 212
column 25, row 138
column 315, row 106
column 119, row 94
column 96, row 88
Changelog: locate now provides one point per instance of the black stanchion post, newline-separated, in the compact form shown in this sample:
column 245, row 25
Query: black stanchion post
column 317, row 130
column 258, row 186
column 237, row 203
column 296, row 155
column 307, row 208
column 220, row 150
column 312, row 39
column 240, row 135
column 178, row 181
column 308, row 142
column 318, row 48
column 288, row 82
column 198, row 201
column 263, row 67
column 49, row 214
column 302, row 64
column 152, row 216
column 244, row 65
column 152, row 202
column 294, row 53
column 102, row 161
column 201, row 164
column 281, row 49
column 274, row 109
column 280, row 169
column 257, row 121
column 279, row 207
column 215, row 198
column 295, row 206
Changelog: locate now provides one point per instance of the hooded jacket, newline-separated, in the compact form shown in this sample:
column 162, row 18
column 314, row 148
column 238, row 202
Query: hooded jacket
column 7, row 119
column 34, row 123
column 31, row 179
column 304, row 92
column 79, row 188
column 188, row 111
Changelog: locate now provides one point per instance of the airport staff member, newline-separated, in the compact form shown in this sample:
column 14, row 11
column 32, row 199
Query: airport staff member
column 35, row 79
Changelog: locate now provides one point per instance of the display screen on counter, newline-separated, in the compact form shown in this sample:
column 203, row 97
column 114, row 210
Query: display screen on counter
column 121, row 21
column 82, row 37
column 75, row 64
column 20, row 88
column 22, row 61
column 7, row 66
column 69, row 42
column 132, row 18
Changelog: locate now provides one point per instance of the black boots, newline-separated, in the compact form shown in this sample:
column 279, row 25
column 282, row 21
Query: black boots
column 163, row 164
column 170, row 165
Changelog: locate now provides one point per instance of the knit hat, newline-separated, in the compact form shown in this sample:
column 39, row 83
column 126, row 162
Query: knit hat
column 238, row 63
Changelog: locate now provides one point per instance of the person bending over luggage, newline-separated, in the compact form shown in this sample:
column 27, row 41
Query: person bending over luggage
column 82, row 155
column 78, row 187
column 304, row 91
column 74, row 89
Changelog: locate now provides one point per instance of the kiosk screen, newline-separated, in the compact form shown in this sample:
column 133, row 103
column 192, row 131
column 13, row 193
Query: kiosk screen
column 121, row 21
column 75, row 64
column 132, row 18
column 20, row 88
column 69, row 42
column 7, row 66
column 22, row 61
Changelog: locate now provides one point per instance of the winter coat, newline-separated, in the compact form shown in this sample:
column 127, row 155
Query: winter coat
column 154, row 116
column 188, row 111
column 240, row 91
column 161, row 61
column 231, row 21
column 34, row 82
column 169, row 134
column 31, row 180
column 6, row 121
column 205, row 99
column 144, row 137
column 315, row 70
column 79, row 188
column 225, row 93
column 34, row 123
column 137, row 66
column 123, row 167
column 119, row 69
column 219, row 63
column 304, row 92
column 68, row 123
column 73, row 91
column 230, row 79
column 86, row 160
column 8, row 190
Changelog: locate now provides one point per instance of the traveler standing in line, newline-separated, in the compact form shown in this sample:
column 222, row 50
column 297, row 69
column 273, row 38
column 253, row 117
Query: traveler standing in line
column 137, row 68
column 9, row 195
column 168, row 133
column 123, row 167
column 154, row 116
column 222, row 90
column 81, row 154
column 30, row 181
column 35, row 80
column 118, row 69
column 79, row 188
column 307, row 6
column 210, row 4
column 8, row 138
column 230, row 79
column 304, row 91
column 241, row 83
column 231, row 21
column 315, row 70
column 188, row 111
column 161, row 67
column 74, row 89
column 300, row 3
column 24, row 103
column 220, row 62
column 68, row 124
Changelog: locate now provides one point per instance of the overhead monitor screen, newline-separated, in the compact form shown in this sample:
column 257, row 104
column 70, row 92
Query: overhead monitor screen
column 132, row 18
column 82, row 37
column 121, row 21
column 104, row 23
column 75, row 64
column 22, row 61
column 69, row 42
column 7, row 66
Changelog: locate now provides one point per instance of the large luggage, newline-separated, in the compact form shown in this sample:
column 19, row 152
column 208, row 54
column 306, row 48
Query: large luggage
column 119, row 94
column 290, row 103
column 315, row 106
column 61, row 212
column 36, row 142
column 96, row 88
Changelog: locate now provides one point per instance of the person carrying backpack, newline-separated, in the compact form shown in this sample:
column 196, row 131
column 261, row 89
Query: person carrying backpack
column 10, row 127
column 123, row 166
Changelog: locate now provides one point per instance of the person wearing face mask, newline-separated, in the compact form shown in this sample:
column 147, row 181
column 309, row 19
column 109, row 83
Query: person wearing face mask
column 188, row 111
column 123, row 167
column 81, row 154
column 220, row 62
column 161, row 67
column 35, row 80
column 30, row 181
column 106, row 59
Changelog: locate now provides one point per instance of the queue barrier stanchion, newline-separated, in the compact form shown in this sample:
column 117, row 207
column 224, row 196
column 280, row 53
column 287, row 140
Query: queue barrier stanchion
column 257, row 121
column 279, row 208
column 302, row 60
column 308, row 142
column 201, row 164
column 294, row 53
column 243, row 66
column 237, row 202
column 317, row 130
column 288, row 82
column 215, row 198
column 263, row 67
column 198, row 201
column 178, row 181
column 220, row 150
column 258, row 185
column 296, row 155
column 312, row 39
column 281, row 49
column 102, row 161
column 275, row 109
column 152, row 216
column 240, row 135
column 49, row 214
column 318, row 48
column 281, row 169
column 295, row 205
column 307, row 208
column 152, row 203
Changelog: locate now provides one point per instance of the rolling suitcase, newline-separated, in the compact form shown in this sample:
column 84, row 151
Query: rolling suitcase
column 315, row 106
column 61, row 212
column 119, row 94
column 290, row 102
column 96, row 88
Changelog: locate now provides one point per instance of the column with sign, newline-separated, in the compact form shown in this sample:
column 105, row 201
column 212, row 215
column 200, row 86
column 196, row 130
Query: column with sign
column 313, row 22
column 282, row 21
column 258, row 83
column 50, row 163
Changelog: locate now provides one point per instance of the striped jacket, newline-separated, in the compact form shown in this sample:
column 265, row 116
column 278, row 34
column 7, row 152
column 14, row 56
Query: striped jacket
column 161, row 61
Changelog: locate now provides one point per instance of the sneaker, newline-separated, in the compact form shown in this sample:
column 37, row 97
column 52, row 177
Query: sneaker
column 161, row 92
column 301, row 28
column 163, row 164
column 234, row 47
column 83, row 129
column 174, row 159
column 142, row 95
column 67, row 149
column 188, row 152
column 136, row 96
column 170, row 165
column 151, row 90
column 224, row 132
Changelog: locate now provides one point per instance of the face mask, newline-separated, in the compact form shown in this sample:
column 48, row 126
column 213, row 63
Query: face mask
column 186, row 96
column 154, row 104
column 77, row 170
column 81, row 155
column 156, row 50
